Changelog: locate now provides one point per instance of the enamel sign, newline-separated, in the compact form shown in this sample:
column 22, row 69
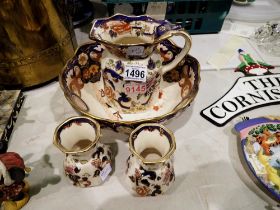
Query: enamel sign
column 258, row 88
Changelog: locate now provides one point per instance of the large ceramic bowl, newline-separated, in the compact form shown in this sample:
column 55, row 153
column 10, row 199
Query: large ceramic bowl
column 83, row 87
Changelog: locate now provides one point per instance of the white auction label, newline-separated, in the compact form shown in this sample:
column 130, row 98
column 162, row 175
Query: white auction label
column 134, row 72
column 134, row 87
column 135, row 50
column 105, row 171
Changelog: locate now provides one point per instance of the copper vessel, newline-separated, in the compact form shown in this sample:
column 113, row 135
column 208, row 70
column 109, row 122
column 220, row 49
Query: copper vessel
column 36, row 40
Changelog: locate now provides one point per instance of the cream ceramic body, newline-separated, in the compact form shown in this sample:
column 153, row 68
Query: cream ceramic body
column 83, row 87
column 123, row 98
column 132, row 41
column 150, row 170
column 84, row 169
column 86, row 158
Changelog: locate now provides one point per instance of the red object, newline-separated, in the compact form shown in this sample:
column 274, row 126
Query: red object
column 12, row 159
column 156, row 108
column 10, row 192
column 160, row 94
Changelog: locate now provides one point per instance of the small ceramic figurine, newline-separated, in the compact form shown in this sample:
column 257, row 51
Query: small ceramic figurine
column 87, row 161
column 150, row 169
column 13, row 188
column 251, row 67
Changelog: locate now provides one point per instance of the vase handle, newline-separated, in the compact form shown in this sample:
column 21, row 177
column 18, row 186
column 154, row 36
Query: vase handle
column 183, row 52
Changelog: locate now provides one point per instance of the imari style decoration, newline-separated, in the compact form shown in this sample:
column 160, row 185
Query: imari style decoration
column 260, row 142
column 87, row 162
column 259, row 87
column 131, row 66
column 131, row 73
column 131, row 77
column 150, row 169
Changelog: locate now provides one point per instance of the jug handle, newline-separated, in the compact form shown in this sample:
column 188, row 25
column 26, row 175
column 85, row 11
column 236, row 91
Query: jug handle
column 183, row 52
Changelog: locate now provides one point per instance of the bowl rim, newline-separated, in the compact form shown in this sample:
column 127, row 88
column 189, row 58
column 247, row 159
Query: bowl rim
column 183, row 104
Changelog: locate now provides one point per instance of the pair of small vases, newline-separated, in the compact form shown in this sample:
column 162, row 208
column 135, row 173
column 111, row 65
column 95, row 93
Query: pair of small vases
column 88, row 162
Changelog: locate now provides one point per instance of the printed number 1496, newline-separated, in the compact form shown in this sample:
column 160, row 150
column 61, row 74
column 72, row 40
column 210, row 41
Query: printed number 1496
column 135, row 73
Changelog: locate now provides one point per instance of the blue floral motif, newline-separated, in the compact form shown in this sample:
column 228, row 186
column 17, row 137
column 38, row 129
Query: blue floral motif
column 112, row 34
column 113, row 73
column 138, row 33
column 151, row 64
column 123, row 97
column 166, row 26
column 119, row 66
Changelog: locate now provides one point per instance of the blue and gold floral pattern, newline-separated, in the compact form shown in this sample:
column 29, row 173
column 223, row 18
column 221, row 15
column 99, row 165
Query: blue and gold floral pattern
column 185, row 75
column 146, row 176
column 147, row 29
column 149, row 182
column 86, row 158
column 83, row 68
column 83, row 170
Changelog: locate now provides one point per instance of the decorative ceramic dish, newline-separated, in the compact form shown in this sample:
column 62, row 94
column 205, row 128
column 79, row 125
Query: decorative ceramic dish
column 83, row 86
column 260, row 141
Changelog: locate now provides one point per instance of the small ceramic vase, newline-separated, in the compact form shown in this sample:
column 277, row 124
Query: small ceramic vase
column 150, row 169
column 87, row 161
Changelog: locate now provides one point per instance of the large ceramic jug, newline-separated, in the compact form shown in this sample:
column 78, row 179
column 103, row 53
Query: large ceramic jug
column 131, row 64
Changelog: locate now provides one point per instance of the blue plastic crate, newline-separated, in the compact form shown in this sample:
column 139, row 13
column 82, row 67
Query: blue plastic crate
column 196, row 16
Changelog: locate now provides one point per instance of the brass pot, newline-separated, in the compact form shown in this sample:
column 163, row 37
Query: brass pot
column 36, row 40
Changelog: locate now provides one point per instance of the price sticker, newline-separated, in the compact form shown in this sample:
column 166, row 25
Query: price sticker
column 135, row 50
column 135, row 72
column 105, row 171
column 136, row 88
